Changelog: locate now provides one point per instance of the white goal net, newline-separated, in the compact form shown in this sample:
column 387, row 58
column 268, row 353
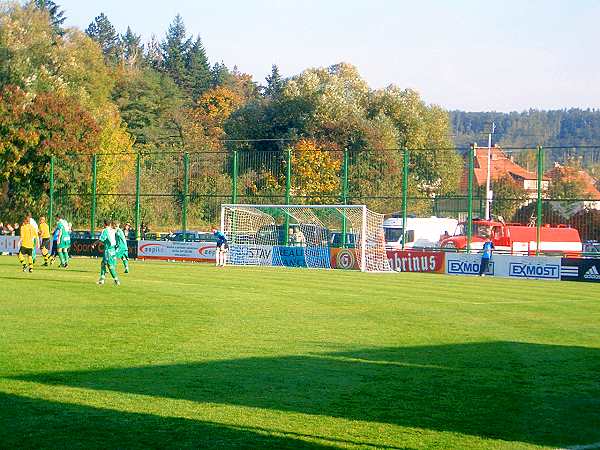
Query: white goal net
column 304, row 235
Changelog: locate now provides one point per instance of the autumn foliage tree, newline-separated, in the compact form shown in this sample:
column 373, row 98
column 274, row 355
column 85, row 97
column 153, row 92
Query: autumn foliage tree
column 32, row 130
column 316, row 174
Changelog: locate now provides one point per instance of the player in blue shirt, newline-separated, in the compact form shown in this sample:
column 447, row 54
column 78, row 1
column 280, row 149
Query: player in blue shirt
column 222, row 247
column 54, row 252
column 486, row 256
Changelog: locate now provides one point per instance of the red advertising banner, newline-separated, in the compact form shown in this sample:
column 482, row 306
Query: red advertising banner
column 343, row 258
column 416, row 261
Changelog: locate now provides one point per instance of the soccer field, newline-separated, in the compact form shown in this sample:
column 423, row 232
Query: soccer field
column 186, row 355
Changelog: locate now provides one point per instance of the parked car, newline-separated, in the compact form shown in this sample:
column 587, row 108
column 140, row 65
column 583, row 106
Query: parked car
column 190, row 236
column 592, row 247
column 337, row 239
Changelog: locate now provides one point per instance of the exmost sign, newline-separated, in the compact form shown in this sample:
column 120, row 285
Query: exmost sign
column 532, row 270
column 457, row 267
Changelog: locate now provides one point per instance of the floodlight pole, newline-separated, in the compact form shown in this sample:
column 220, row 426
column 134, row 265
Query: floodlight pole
column 488, row 200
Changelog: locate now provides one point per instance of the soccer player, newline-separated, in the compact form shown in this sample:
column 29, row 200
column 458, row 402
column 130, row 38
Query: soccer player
column 486, row 256
column 108, row 238
column 28, row 236
column 63, row 241
column 45, row 240
column 122, row 251
column 54, row 251
column 222, row 247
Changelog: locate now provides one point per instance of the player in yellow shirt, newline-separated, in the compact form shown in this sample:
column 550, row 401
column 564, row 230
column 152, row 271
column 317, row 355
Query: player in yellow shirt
column 28, row 236
column 45, row 240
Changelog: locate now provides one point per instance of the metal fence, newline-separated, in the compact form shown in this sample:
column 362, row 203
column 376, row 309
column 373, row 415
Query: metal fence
column 165, row 191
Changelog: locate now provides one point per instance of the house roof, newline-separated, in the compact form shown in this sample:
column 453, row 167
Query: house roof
column 570, row 173
column 501, row 166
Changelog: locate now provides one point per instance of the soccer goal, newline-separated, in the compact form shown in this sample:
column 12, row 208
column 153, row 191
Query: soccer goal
column 304, row 235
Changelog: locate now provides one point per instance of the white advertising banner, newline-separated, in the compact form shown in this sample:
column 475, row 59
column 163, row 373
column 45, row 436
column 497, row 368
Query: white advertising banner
column 538, row 267
column 10, row 244
column 177, row 251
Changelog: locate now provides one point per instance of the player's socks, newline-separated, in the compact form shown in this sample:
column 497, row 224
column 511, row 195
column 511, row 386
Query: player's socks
column 46, row 256
column 21, row 259
column 30, row 261
column 126, row 264
column 61, row 258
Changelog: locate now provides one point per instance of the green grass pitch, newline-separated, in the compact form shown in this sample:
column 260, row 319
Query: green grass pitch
column 192, row 356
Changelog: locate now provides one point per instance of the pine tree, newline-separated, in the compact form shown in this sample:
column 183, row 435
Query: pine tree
column 175, row 49
column 199, row 76
column 133, row 49
column 220, row 74
column 104, row 33
column 57, row 15
column 274, row 83
column 153, row 55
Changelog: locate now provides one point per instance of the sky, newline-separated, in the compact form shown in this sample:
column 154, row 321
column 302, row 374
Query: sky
column 507, row 55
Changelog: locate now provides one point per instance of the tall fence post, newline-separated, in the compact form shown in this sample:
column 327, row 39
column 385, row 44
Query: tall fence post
column 234, row 177
column 186, row 191
column 470, row 198
column 288, row 190
column 51, row 194
column 405, row 162
column 94, row 192
column 538, row 222
column 344, row 196
column 138, row 170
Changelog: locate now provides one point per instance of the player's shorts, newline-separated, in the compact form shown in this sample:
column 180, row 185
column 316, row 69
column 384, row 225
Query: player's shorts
column 26, row 251
column 222, row 246
column 64, row 243
column 122, row 252
column 109, row 256
column 45, row 243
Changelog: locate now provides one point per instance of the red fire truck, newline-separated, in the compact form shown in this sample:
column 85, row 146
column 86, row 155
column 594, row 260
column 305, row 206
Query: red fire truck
column 515, row 238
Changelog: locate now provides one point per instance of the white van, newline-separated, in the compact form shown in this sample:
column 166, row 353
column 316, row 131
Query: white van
column 421, row 232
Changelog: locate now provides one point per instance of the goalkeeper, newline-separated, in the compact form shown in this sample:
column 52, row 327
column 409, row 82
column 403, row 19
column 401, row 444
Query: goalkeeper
column 109, row 240
column 222, row 247
column 121, row 251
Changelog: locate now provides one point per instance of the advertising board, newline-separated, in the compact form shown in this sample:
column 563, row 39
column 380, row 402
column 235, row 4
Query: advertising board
column 580, row 269
column 534, row 267
column 176, row 251
column 416, row 261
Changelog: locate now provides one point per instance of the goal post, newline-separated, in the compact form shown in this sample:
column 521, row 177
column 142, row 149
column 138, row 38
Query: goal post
column 304, row 235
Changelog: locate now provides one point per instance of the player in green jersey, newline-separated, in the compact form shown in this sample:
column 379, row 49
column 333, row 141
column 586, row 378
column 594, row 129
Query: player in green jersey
column 109, row 240
column 122, row 251
column 63, row 241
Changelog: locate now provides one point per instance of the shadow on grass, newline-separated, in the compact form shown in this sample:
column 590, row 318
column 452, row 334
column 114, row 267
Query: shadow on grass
column 539, row 394
column 33, row 423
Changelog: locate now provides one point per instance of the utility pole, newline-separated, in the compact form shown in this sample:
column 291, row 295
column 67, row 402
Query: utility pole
column 488, row 198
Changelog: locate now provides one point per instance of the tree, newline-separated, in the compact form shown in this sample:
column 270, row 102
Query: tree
column 57, row 15
column 104, row 33
column 203, row 124
column 31, row 132
column 275, row 83
column 509, row 196
column 198, row 75
column 133, row 49
column 566, row 182
column 175, row 49
column 149, row 102
column 220, row 74
column 316, row 171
